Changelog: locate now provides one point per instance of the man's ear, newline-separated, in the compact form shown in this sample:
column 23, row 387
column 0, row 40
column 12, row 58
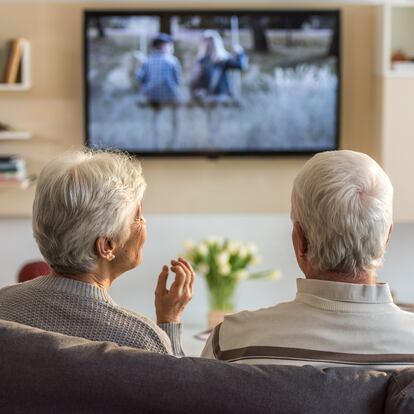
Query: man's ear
column 300, row 239
column 105, row 247
column 389, row 233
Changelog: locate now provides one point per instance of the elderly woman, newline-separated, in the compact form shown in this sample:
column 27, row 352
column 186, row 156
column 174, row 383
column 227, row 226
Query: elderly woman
column 88, row 224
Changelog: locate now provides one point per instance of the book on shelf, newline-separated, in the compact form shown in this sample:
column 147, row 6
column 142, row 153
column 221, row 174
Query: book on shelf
column 12, row 168
column 8, row 168
column 14, row 60
column 3, row 61
column 9, row 158
column 13, row 159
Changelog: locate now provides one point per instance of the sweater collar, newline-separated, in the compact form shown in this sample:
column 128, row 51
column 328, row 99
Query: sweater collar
column 71, row 286
column 345, row 292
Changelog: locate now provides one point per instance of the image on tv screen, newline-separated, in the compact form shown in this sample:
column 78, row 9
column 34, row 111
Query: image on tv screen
column 203, row 83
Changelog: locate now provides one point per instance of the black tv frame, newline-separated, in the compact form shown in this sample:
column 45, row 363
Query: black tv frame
column 88, row 13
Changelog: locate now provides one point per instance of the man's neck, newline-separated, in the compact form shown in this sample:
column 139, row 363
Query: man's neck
column 363, row 278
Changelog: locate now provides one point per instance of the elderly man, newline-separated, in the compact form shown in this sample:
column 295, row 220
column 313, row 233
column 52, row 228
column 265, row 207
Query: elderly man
column 342, row 219
column 160, row 77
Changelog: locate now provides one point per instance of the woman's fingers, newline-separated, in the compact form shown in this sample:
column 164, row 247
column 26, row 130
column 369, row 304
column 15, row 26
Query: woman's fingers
column 180, row 276
column 162, row 281
column 170, row 304
column 185, row 267
column 190, row 270
column 186, row 264
column 191, row 279
column 181, row 286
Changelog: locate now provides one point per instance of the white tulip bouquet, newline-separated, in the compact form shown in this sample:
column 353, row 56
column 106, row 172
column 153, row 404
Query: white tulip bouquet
column 224, row 263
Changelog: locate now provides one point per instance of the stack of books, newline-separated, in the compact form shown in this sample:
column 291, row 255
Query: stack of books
column 12, row 169
column 11, row 73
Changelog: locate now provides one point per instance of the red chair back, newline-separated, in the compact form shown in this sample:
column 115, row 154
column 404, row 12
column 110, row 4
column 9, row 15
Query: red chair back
column 32, row 270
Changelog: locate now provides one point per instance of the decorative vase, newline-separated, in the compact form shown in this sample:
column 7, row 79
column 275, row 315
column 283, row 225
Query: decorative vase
column 221, row 303
column 223, row 263
column 222, row 296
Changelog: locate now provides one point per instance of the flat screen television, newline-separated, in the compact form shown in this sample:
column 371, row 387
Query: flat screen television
column 212, row 83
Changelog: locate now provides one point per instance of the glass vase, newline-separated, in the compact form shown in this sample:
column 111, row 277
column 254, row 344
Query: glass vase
column 221, row 299
column 221, row 303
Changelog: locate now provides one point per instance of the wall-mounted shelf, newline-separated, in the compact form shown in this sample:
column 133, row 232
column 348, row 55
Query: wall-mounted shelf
column 14, row 87
column 398, row 75
column 15, row 135
column 396, row 34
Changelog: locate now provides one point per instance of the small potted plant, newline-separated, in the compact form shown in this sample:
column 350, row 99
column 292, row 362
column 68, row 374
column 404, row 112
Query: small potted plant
column 224, row 263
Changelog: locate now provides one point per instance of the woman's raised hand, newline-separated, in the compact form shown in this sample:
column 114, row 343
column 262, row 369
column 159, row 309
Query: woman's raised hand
column 170, row 303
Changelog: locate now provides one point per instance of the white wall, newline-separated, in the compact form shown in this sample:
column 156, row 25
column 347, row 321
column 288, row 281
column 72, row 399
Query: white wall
column 166, row 234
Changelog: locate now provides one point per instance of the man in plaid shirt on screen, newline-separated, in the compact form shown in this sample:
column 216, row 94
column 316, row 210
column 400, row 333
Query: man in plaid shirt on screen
column 160, row 75
column 160, row 78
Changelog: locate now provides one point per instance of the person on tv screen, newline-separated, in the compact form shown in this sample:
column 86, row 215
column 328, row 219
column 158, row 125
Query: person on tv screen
column 160, row 78
column 210, row 81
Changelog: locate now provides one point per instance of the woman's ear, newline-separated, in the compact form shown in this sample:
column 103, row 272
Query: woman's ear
column 389, row 233
column 105, row 247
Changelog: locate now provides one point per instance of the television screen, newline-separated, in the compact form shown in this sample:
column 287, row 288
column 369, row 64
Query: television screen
column 204, row 83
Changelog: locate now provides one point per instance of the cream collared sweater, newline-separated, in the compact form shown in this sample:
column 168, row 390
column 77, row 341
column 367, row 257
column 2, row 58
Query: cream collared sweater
column 80, row 309
column 328, row 323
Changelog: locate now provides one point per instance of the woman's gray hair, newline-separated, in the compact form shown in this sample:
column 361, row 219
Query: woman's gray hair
column 343, row 202
column 81, row 196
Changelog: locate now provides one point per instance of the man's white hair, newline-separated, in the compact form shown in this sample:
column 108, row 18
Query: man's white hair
column 81, row 196
column 343, row 202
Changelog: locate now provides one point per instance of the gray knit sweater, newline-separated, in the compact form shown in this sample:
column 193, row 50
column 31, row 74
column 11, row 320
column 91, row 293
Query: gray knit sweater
column 80, row 309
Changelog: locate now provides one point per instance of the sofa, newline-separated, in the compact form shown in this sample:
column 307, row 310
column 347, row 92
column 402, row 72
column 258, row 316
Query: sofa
column 43, row 372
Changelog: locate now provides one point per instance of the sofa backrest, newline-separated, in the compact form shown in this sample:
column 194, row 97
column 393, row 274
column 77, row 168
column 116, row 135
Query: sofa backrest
column 44, row 372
